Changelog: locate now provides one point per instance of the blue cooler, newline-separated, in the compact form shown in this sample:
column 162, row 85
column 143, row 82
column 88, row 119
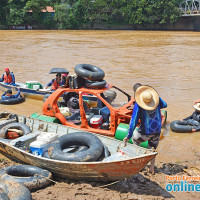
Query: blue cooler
column 105, row 112
column 37, row 147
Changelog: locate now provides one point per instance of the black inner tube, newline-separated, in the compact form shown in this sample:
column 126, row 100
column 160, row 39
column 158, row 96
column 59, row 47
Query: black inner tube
column 20, row 99
column 88, row 68
column 181, row 126
column 92, row 142
column 20, row 126
column 25, row 174
column 90, row 72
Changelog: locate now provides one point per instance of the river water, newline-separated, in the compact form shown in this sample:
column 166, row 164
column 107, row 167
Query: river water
column 168, row 61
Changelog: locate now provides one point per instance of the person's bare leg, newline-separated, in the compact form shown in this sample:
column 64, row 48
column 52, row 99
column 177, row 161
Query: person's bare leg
column 151, row 169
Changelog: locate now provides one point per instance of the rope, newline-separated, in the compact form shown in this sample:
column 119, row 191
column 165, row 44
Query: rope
column 111, row 183
column 186, row 170
column 195, row 168
column 38, row 182
column 36, row 175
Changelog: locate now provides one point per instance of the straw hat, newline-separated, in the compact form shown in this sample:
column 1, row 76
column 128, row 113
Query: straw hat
column 196, row 106
column 147, row 97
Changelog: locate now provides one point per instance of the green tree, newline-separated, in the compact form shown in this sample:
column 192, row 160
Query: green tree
column 99, row 11
column 15, row 12
column 63, row 15
column 11, row 12
column 3, row 4
column 156, row 11
column 72, row 15
column 36, row 6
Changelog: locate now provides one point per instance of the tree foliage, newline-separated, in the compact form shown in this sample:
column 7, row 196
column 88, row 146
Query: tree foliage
column 76, row 13
column 157, row 11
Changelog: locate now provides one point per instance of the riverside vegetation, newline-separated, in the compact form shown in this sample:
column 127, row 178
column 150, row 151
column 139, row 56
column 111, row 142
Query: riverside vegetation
column 77, row 14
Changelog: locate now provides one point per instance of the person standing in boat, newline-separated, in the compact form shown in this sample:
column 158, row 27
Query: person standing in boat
column 55, row 83
column 8, row 95
column 147, row 110
column 8, row 77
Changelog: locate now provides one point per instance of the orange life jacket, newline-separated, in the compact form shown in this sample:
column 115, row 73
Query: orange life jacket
column 55, row 85
column 7, row 78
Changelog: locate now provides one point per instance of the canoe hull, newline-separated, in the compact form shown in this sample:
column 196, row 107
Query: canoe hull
column 94, row 171
column 30, row 93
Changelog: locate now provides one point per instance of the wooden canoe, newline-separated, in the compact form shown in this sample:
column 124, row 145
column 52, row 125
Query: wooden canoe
column 90, row 171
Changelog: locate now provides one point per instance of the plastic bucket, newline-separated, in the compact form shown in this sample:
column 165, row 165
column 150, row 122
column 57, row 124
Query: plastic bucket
column 32, row 84
column 122, row 132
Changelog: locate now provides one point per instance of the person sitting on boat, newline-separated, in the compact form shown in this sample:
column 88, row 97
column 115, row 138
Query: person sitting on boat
column 8, row 95
column 194, row 119
column 147, row 110
column 55, row 83
column 64, row 78
column 8, row 77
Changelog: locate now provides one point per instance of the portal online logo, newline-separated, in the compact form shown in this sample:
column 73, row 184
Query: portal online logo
column 183, row 185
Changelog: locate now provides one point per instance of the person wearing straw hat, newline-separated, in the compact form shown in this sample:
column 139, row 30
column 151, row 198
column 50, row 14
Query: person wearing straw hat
column 147, row 110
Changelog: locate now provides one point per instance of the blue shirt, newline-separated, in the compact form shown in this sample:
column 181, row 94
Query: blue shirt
column 150, row 120
column 13, row 78
column 4, row 97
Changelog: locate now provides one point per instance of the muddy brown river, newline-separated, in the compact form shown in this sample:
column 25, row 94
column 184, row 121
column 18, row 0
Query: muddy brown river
column 168, row 61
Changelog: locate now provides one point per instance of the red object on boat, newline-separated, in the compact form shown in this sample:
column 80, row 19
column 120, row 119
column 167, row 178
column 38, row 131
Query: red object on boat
column 96, row 121
column 12, row 135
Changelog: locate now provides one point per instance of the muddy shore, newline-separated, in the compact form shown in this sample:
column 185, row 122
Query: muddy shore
column 141, row 186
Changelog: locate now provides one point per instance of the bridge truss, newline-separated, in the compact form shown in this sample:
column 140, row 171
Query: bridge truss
column 190, row 7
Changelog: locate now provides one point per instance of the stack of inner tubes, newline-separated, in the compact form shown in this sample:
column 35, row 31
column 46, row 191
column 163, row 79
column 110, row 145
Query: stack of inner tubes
column 17, row 180
column 88, row 148
column 91, row 76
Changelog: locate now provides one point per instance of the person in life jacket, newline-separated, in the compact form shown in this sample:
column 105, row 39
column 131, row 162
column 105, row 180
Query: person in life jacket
column 55, row 83
column 8, row 77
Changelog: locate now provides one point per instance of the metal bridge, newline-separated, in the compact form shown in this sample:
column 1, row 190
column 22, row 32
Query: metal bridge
column 190, row 8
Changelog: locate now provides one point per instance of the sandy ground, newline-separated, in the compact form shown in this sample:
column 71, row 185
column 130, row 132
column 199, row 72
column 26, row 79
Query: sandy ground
column 174, row 158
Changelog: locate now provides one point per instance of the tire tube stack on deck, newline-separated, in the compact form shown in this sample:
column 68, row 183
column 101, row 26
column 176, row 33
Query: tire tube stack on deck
column 30, row 176
column 92, row 153
column 20, row 99
column 93, row 76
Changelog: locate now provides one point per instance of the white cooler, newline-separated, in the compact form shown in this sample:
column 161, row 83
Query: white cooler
column 96, row 121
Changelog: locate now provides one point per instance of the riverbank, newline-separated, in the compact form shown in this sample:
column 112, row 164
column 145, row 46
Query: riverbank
column 186, row 23
column 172, row 160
